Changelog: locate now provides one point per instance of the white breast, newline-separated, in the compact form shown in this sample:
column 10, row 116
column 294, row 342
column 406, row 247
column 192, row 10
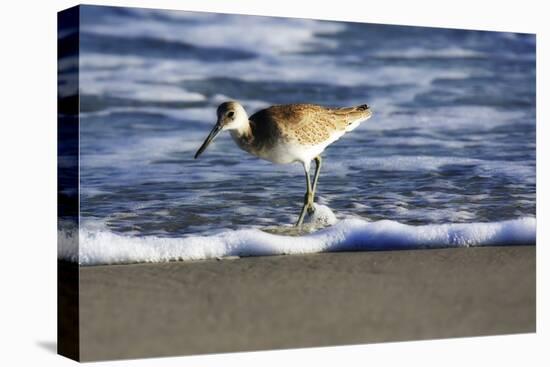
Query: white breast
column 285, row 152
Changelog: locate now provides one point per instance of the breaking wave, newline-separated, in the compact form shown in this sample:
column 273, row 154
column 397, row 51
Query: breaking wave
column 105, row 247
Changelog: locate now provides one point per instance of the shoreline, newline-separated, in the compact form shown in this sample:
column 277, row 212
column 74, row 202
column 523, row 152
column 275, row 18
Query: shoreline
column 346, row 235
column 276, row 302
column 242, row 257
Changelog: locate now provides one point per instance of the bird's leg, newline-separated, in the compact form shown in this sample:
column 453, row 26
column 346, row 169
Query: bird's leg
column 308, row 199
column 318, row 161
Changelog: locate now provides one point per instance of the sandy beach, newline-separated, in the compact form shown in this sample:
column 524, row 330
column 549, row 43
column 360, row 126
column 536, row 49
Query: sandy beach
column 181, row 308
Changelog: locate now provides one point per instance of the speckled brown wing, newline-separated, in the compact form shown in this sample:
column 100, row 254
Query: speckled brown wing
column 310, row 124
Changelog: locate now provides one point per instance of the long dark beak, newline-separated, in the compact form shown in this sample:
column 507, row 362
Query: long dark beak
column 215, row 131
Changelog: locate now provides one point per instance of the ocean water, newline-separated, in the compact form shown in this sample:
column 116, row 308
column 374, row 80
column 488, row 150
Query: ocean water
column 451, row 142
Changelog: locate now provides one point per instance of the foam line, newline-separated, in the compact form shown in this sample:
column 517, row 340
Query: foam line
column 104, row 247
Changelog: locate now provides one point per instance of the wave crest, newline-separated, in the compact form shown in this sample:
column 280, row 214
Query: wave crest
column 105, row 247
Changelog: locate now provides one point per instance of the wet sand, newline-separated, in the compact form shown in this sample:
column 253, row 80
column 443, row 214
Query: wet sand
column 180, row 308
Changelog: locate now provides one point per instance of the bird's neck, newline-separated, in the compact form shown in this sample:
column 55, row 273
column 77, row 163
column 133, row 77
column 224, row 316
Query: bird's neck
column 243, row 135
column 242, row 132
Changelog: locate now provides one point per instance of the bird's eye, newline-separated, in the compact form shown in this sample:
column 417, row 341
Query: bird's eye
column 230, row 114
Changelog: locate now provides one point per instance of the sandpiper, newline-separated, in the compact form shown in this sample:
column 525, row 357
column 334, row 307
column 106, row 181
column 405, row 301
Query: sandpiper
column 287, row 134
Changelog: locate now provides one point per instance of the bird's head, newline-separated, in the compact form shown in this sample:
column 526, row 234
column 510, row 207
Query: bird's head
column 231, row 116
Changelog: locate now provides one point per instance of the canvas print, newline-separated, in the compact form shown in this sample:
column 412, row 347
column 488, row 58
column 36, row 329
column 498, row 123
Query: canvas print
column 235, row 182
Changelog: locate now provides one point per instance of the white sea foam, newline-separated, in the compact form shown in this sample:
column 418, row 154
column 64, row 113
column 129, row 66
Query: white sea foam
column 417, row 52
column 522, row 171
column 103, row 60
column 206, row 115
column 220, row 30
column 321, row 69
column 100, row 246
column 322, row 216
column 445, row 119
column 141, row 92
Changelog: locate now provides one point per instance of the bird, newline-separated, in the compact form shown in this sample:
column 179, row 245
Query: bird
column 288, row 133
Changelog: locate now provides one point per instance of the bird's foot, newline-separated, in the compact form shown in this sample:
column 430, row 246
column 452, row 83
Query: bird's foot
column 310, row 208
column 308, row 203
